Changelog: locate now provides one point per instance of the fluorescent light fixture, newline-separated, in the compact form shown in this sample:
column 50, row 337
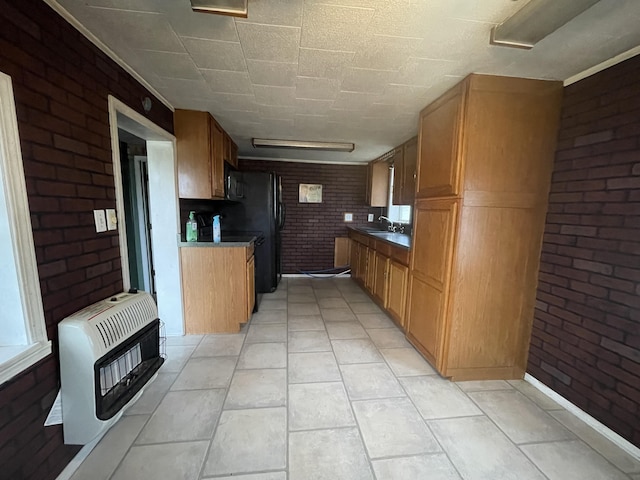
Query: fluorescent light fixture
column 536, row 20
column 300, row 145
column 234, row 8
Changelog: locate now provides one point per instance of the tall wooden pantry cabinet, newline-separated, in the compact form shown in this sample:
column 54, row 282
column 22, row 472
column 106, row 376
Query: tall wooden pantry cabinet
column 485, row 156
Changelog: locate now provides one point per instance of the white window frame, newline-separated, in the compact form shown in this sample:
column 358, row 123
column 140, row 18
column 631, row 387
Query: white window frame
column 17, row 358
column 396, row 212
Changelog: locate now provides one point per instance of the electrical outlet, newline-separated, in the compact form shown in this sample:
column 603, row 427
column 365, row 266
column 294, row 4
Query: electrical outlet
column 101, row 221
column 112, row 220
column 370, row 217
column 348, row 217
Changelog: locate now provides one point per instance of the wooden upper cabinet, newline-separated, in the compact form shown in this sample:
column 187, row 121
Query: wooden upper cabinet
column 217, row 141
column 378, row 183
column 194, row 152
column 438, row 173
column 409, row 164
column 230, row 151
column 398, row 176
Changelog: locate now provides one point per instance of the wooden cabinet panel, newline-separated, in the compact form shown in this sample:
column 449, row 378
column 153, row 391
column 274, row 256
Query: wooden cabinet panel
column 438, row 172
column 214, row 289
column 398, row 176
column 378, row 184
column 230, row 151
column 251, row 286
column 380, row 278
column 433, row 233
column 193, row 146
column 370, row 269
column 217, row 147
column 354, row 258
column 397, row 291
column 409, row 163
column 425, row 322
column 362, row 262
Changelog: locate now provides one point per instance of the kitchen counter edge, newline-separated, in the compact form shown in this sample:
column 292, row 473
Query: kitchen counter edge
column 404, row 243
column 243, row 243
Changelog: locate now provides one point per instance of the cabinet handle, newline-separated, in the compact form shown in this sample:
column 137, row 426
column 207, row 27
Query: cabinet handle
column 415, row 175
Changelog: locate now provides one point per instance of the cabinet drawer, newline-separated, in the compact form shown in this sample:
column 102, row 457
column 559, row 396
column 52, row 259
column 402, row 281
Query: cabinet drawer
column 401, row 255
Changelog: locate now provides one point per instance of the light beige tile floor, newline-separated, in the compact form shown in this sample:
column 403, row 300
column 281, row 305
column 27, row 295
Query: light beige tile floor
column 322, row 385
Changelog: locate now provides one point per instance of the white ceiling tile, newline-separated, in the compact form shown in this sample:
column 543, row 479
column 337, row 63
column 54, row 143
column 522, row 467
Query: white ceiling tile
column 225, row 81
column 277, row 74
column 494, row 11
column 187, row 23
column 317, row 88
column 275, row 12
column 424, row 71
column 180, row 88
column 383, row 52
column 453, row 39
column 167, row 64
column 279, row 96
column 134, row 5
column 141, row 30
column 311, row 122
column 354, row 101
column 366, row 80
column 268, row 42
column 215, row 55
column 308, row 106
column 323, row 63
column 230, row 102
column 333, row 27
column 404, row 95
column 276, row 111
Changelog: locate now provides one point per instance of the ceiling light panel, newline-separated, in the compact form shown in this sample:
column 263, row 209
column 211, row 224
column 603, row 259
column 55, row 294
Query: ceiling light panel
column 302, row 145
column 234, row 8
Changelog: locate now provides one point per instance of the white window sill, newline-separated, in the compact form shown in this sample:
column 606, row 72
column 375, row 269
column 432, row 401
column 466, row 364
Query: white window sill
column 16, row 359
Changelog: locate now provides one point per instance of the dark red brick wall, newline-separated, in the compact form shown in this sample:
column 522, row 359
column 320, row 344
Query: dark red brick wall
column 61, row 83
column 310, row 229
column 586, row 335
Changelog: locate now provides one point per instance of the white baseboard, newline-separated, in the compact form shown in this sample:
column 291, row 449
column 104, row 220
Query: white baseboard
column 624, row 444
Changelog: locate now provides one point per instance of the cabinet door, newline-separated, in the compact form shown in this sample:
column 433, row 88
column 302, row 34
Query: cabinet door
column 354, row 258
column 398, row 277
column 193, row 148
column 217, row 147
column 409, row 163
column 371, row 269
column 380, row 278
column 431, row 259
column 378, row 184
column 438, row 172
column 251, row 286
column 398, row 176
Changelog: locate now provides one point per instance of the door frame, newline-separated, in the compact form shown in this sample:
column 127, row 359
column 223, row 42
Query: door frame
column 163, row 209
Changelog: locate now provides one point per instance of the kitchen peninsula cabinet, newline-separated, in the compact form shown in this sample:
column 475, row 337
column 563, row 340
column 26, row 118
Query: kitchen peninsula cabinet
column 200, row 145
column 218, row 287
column 484, row 167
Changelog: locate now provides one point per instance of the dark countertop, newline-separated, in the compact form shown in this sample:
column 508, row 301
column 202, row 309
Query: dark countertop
column 397, row 239
column 226, row 241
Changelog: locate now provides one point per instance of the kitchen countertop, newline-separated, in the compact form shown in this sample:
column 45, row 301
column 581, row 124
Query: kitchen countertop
column 394, row 238
column 227, row 241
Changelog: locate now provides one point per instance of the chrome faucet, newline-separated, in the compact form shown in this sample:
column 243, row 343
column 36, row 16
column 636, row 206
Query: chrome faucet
column 392, row 226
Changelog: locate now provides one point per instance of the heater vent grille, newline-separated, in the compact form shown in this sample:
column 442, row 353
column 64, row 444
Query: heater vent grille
column 126, row 321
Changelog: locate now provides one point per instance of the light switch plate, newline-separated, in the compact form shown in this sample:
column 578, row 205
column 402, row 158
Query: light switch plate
column 101, row 221
column 370, row 217
column 348, row 217
column 112, row 220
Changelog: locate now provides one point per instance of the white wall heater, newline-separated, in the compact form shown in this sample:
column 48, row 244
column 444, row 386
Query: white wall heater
column 108, row 352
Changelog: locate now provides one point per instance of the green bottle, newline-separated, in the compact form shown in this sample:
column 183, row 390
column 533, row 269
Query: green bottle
column 192, row 228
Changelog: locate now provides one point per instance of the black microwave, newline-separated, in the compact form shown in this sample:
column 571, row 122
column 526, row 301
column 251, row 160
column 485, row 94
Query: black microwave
column 233, row 185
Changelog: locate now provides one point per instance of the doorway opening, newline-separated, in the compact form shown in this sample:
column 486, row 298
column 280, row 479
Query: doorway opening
column 144, row 170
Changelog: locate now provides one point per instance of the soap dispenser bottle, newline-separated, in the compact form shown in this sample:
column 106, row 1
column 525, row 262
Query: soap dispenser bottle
column 216, row 229
column 192, row 228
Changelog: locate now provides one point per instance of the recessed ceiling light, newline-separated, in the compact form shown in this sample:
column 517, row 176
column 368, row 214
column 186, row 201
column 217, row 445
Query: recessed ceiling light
column 234, row 8
column 301, row 145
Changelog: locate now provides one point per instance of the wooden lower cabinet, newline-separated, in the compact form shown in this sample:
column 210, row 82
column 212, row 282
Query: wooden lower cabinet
column 217, row 288
column 380, row 282
column 382, row 269
column 396, row 296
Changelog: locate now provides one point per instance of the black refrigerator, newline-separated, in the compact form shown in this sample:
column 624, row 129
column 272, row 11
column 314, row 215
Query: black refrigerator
column 258, row 210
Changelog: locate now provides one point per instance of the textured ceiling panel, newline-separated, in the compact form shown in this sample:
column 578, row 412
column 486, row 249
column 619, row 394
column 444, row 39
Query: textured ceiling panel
column 275, row 12
column 277, row 74
column 323, row 63
column 215, row 55
column 334, row 27
column 174, row 65
column 337, row 70
column 317, row 88
column 225, row 81
column 268, row 42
